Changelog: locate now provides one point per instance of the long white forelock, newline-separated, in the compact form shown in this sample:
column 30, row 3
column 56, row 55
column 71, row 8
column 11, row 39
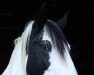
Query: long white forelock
column 68, row 45
column 17, row 63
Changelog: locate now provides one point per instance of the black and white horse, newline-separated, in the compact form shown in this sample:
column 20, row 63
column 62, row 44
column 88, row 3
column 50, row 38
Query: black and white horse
column 41, row 50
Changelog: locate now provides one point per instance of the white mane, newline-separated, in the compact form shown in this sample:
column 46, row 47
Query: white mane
column 17, row 63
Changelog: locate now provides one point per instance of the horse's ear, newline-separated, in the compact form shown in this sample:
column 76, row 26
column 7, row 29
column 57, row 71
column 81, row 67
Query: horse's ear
column 40, row 19
column 62, row 22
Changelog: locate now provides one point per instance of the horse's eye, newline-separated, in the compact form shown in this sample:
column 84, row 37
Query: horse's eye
column 46, row 45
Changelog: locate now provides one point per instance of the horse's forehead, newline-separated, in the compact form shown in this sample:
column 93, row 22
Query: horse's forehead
column 46, row 34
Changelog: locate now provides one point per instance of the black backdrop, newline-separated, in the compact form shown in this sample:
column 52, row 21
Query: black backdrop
column 79, row 29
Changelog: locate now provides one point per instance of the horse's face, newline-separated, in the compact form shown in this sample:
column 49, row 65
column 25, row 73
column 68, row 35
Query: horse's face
column 43, row 53
column 38, row 53
column 44, row 49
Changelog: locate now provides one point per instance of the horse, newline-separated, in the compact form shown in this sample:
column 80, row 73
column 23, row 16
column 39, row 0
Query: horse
column 41, row 50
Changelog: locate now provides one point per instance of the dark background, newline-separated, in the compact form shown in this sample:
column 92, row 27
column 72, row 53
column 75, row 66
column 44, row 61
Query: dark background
column 14, row 14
